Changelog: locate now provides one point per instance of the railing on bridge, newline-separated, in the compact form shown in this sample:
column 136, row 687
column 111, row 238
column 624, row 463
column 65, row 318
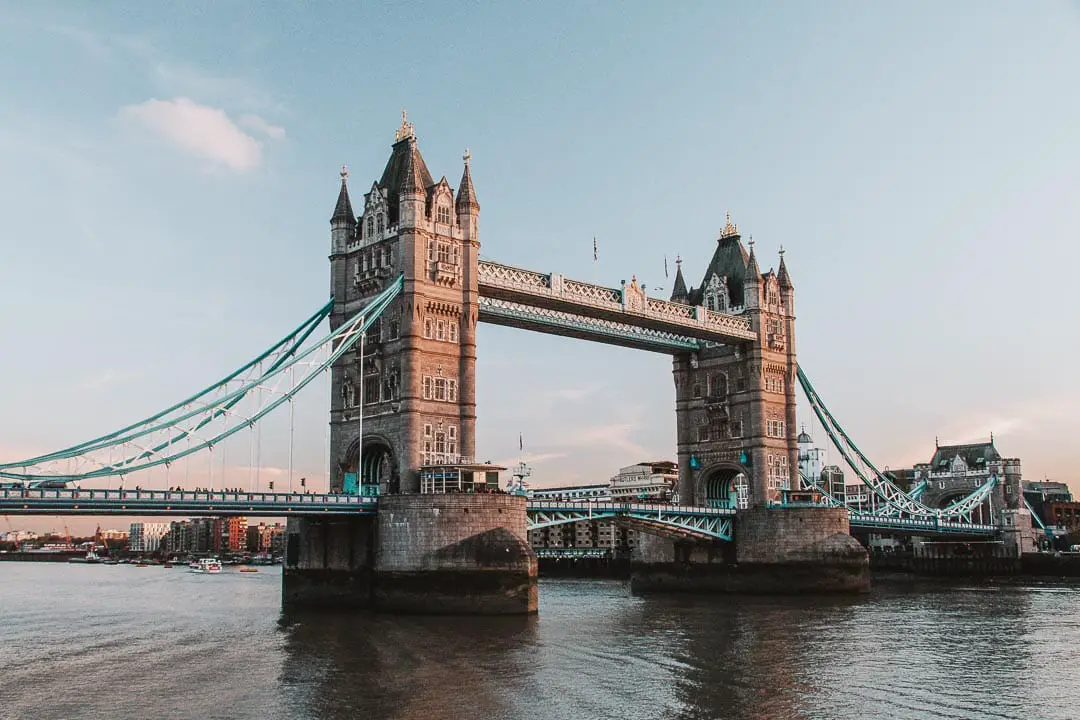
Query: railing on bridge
column 699, row 522
column 35, row 501
column 627, row 305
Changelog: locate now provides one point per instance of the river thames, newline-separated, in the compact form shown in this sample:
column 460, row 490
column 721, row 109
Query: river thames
column 128, row 642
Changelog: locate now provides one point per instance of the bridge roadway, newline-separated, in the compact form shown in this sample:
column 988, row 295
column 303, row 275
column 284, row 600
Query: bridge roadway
column 702, row 523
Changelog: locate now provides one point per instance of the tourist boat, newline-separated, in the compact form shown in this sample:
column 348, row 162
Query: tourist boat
column 91, row 558
column 207, row 565
column 249, row 569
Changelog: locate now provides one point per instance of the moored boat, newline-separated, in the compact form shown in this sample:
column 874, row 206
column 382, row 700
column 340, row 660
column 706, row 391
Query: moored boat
column 91, row 558
column 206, row 566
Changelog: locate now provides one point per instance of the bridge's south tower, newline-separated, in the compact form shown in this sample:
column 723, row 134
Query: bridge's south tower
column 735, row 404
column 406, row 397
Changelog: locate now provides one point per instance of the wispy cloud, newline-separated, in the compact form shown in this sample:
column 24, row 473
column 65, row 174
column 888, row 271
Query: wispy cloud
column 203, row 131
column 256, row 123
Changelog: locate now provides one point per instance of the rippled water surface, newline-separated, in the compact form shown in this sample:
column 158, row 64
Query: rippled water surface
column 126, row 642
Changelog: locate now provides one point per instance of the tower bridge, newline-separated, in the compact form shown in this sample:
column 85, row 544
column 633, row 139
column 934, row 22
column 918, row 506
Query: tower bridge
column 408, row 291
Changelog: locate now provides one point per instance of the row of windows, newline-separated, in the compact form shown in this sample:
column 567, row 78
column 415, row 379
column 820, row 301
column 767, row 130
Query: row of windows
column 441, row 389
column 720, row 430
column 443, row 252
column 374, row 258
column 773, row 384
column 717, row 386
column 375, row 224
column 439, row 329
column 440, row 444
column 376, row 388
column 442, row 214
column 776, row 428
column 779, row 474
column 380, row 331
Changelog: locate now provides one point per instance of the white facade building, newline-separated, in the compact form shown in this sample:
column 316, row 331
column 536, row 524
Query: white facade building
column 645, row 481
column 146, row 537
column 811, row 460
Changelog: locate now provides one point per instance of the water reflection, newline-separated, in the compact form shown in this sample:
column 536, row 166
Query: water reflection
column 114, row 642
column 381, row 666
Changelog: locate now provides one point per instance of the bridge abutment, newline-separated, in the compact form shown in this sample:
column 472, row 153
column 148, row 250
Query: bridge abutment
column 461, row 553
column 776, row 550
column 454, row 554
column 328, row 562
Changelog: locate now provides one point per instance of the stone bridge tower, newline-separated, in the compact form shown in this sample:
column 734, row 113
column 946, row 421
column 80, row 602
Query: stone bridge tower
column 407, row 397
column 735, row 404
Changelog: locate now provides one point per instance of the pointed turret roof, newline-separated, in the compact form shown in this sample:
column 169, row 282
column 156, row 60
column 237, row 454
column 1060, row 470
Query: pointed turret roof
column 782, row 274
column 729, row 261
column 752, row 270
column 414, row 173
column 405, row 170
column 466, row 196
column 678, row 292
column 343, row 210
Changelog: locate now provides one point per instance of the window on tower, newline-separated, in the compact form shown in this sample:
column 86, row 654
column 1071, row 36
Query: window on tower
column 443, row 214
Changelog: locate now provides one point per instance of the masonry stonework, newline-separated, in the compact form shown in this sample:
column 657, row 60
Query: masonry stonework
column 406, row 395
column 735, row 404
column 454, row 553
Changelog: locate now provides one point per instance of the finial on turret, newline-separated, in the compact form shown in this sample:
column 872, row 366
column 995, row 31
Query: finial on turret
column 678, row 259
column 344, row 172
column 406, row 129
column 467, row 157
column 781, row 252
column 751, row 243
column 729, row 227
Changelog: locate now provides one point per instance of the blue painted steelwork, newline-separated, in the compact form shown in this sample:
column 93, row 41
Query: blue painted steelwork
column 700, row 522
column 69, row 501
column 293, row 340
column 920, row 526
column 903, row 504
column 704, row 523
column 505, row 312
column 161, row 450
column 886, row 518
column 1038, row 520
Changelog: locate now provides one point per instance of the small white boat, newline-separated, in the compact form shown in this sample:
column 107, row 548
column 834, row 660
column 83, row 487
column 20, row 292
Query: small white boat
column 91, row 558
column 206, row 566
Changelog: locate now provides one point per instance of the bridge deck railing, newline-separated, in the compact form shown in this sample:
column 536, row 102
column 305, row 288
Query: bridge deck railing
column 65, row 496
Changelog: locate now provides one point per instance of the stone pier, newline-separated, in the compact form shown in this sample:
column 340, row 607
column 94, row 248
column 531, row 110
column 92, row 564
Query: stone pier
column 437, row 554
column 776, row 551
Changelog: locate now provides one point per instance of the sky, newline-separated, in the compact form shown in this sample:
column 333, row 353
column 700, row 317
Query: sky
column 167, row 174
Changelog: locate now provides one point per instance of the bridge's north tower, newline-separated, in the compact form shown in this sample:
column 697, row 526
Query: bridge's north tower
column 735, row 404
column 406, row 396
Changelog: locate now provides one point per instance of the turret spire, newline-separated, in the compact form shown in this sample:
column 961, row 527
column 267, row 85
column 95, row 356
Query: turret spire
column 752, row 271
column 343, row 210
column 782, row 274
column 678, row 292
column 466, row 196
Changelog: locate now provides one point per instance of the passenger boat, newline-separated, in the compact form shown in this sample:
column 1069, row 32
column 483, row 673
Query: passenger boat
column 90, row 558
column 207, row 566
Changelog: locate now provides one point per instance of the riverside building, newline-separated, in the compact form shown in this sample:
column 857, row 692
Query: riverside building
column 146, row 537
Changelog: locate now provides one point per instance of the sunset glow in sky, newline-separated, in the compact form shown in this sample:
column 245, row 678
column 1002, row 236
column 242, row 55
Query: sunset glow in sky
column 168, row 173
